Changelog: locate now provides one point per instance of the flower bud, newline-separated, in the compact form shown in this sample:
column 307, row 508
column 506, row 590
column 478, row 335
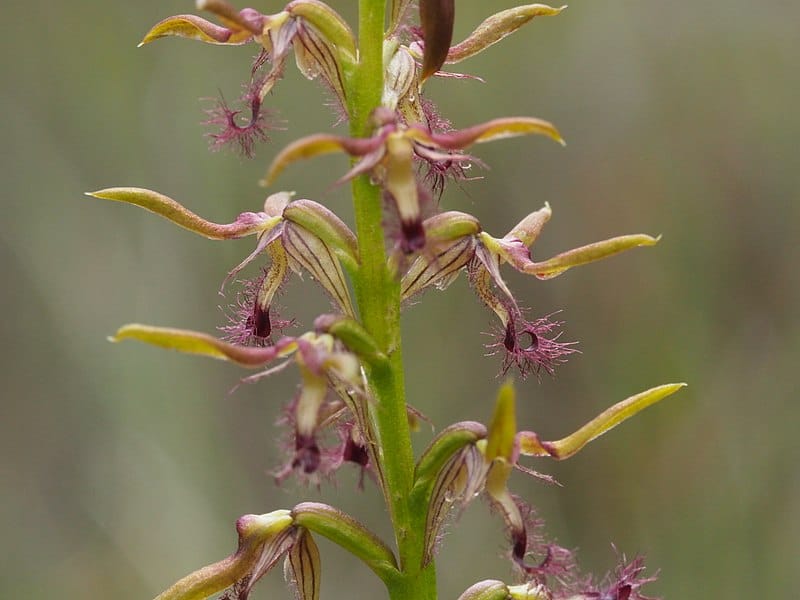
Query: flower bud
column 489, row 589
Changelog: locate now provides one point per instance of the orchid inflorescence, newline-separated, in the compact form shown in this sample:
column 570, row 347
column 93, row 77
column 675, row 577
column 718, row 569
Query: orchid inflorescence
column 402, row 154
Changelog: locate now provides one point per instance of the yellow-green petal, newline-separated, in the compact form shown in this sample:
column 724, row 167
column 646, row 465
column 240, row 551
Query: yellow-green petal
column 195, row 28
column 496, row 27
column 194, row 342
column 489, row 131
column 307, row 147
column 530, row 445
column 553, row 267
column 246, row 223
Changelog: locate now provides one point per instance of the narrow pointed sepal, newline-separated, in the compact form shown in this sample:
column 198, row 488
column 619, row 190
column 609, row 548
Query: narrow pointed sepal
column 496, row 27
column 316, row 145
column 193, row 342
column 555, row 266
column 348, row 533
column 195, row 28
column 495, row 129
column 530, row 445
column 246, row 224
column 528, row 229
column 303, row 567
column 503, row 428
column 436, row 18
column 246, row 19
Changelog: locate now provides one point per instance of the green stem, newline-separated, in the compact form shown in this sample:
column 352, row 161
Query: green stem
column 377, row 292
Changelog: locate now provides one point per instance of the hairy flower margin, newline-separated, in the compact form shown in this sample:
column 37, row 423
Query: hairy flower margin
column 351, row 378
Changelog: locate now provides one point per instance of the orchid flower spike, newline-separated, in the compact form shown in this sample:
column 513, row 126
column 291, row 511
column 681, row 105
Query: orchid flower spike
column 300, row 235
column 457, row 242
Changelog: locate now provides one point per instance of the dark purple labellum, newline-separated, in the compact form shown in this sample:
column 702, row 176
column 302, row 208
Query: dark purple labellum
column 262, row 326
column 413, row 236
column 355, row 453
column 307, row 455
column 510, row 339
column 520, row 544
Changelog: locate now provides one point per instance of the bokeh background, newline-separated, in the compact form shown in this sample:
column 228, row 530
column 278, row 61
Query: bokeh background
column 123, row 467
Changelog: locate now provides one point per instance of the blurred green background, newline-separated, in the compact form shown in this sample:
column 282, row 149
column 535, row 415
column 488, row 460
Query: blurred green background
column 123, row 467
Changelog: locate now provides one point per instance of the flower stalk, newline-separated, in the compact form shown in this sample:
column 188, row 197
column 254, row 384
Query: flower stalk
column 378, row 297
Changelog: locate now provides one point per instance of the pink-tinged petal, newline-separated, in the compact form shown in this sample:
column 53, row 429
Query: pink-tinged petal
column 490, row 262
column 528, row 230
column 496, row 27
column 192, row 27
column 193, row 342
column 365, row 165
column 530, row 445
column 263, row 242
column 494, row 130
column 246, row 19
column 436, row 18
column 245, row 224
column 317, row 145
column 555, row 266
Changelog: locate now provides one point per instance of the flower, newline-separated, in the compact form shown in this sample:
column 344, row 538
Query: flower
column 300, row 235
column 467, row 459
column 322, row 41
column 390, row 153
column 457, row 242
column 265, row 539
column 324, row 365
